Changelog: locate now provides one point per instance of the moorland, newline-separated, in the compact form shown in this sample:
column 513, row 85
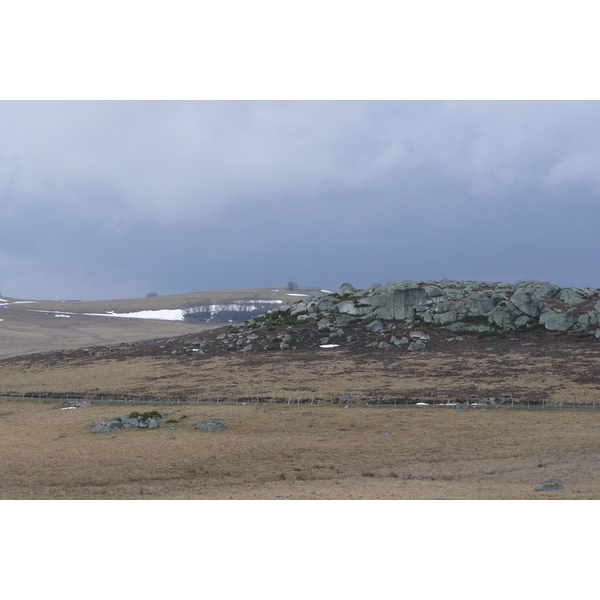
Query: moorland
column 318, row 404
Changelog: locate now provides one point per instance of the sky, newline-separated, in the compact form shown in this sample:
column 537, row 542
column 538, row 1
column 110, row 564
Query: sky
column 105, row 199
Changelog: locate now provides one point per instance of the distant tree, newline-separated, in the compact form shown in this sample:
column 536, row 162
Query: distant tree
column 292, row 285
column 151, row 295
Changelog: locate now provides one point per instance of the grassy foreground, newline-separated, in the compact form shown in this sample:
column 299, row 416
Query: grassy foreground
column 299, row 452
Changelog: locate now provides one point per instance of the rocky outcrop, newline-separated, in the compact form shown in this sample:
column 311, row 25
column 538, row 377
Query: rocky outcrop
column 470, row 306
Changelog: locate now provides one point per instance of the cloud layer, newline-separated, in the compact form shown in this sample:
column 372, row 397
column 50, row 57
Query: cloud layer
column 107, row 199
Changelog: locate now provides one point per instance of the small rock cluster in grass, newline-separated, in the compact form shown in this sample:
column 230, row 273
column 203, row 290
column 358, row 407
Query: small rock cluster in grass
column 134, row 420
column 551, row 484
column 211, row 424
column 77, row 403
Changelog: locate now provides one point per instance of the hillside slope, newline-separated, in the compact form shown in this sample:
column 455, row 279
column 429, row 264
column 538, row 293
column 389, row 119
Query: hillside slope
column 313, row 349
column 32, row 326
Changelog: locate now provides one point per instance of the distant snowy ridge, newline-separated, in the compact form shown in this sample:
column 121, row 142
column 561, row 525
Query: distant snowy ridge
column 167, row 314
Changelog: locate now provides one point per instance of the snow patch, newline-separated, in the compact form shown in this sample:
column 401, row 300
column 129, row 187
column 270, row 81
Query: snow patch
column 303, row 295
column 66, row 316
column 164, row 314
column 329, row 346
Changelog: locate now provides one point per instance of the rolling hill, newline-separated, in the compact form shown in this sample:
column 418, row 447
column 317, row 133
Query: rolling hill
column 33, row 326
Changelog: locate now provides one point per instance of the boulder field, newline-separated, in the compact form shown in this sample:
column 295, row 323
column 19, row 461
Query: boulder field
column 466, row 306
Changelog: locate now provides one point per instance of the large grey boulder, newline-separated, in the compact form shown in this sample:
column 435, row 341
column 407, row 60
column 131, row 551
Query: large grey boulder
column 447, row 317
column 433, row 291
column 540, row 289
column 554, row 321
column 500, row 317
column 324, row 324
column 526, row 303
column 588, row 319
column 327, row 304
column 343, row 319
column 406, row 300
column 346, row 288
column 450, row 306
column 416, row 345
column 382, row 305
column 522, row 321
column 374, row 326
column 480, row 304
column 348, row 307
column 384, row 313
column 570, row 296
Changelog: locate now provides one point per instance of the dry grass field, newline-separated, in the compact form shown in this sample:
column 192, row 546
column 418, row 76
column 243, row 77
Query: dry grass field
column 304, row 446
column 537, row 367
column 123, row 305
column 27, row 333
column 300, row 452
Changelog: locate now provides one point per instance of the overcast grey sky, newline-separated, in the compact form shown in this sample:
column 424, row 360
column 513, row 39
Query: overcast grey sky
column 117, row 199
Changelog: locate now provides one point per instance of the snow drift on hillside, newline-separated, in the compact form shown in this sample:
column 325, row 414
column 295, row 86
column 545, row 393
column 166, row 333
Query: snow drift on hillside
column 164, row 314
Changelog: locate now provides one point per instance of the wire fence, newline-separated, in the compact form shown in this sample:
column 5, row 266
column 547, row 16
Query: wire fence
column 303, row 398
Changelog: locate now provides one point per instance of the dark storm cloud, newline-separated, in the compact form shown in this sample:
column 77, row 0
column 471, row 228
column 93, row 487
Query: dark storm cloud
column 101, row 199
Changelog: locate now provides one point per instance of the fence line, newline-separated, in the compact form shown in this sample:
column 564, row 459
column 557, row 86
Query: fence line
column 305, row 398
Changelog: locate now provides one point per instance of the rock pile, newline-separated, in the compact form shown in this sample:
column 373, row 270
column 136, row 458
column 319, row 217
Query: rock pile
column 474, row 306
column 149, row 420
column 460, row 306
column 211, row 424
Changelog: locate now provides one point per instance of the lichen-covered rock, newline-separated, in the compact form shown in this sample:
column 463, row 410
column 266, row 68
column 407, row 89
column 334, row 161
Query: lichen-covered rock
column 570, row 296
column 324, row 324
column 374, row 326
column 211, row 424
column 446, row 317
column 480, row 304
column 417, row 345
column 500, row 317
column 554, row 321
column 134, row 420
column 551, row 484
column 526, row 303
column 346, row 288
column 406, row 301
